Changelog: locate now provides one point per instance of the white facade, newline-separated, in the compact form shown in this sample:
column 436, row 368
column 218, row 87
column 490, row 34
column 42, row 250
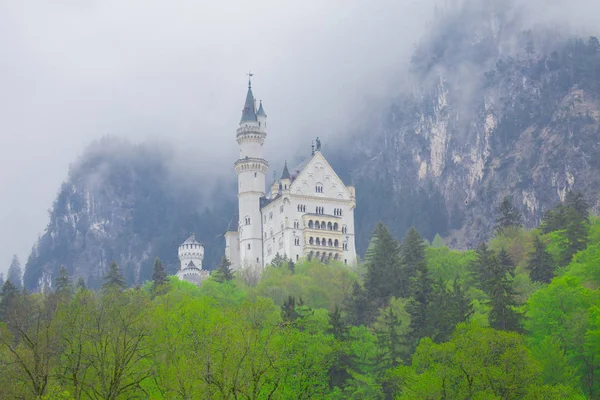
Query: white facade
column 306, row 213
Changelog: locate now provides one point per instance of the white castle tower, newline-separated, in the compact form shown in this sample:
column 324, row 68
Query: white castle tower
column 251, row 169
column 191, row 255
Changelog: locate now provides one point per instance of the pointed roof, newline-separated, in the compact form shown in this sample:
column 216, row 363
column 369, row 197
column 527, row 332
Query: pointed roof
column 285, row 174
column 261, row 111
column 248, row 113
column 191, row 239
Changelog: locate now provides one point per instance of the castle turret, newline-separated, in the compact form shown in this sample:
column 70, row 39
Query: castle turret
column 251, row 169
column 191, row 255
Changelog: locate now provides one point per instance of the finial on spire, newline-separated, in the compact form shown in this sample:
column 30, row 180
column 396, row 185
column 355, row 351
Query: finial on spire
column 250, row 75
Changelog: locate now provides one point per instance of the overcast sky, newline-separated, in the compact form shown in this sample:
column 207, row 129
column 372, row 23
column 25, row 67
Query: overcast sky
column 74, row 70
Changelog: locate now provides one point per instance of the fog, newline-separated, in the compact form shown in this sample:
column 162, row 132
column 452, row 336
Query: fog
column 72, row 71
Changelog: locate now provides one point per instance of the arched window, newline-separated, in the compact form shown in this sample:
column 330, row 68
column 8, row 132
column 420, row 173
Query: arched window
column 336, row 256
column 247, row 220
column 317, row 225
column 323, row 225
column 318, row 242
column 335, row 226
column 324, row 242
column 319, row 188
column 297, row 241
column 330, row 243
column 323, row 257
column 311, row 240
column 310, row 224
column 330, row 226
column 296, row 224
column 318, row 255
column 344, row 229
column 310, row 256
column 336, row 243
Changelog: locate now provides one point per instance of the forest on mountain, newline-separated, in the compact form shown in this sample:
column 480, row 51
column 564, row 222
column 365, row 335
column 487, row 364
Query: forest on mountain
column 515, row 318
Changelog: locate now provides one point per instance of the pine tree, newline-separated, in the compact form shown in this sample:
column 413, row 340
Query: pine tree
column 1, row 279
column 383, row 278
column 15, row 274
column 389, row 340
column 291, row 266
column 479, row 268
column 508, row 216
column 114, row 280
column 506, row 262
column 419, row 303
column 576, row 201
column 224, row 272
column 81, row 283
column 462, row 306
column 339, row 329
column 159, row 275
column 499, row 288
column 413, row 256
column 441, row 321
column 62, row 282
column 8, row 295
column 338, row 372
column 361, row 310
column 540, row 263
column 576, row 234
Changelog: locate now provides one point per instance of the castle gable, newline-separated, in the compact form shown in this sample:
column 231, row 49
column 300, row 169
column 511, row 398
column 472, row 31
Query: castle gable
column 319, row 179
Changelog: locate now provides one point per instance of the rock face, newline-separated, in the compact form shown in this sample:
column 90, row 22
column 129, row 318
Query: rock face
column 123, row 202
column 494, row 109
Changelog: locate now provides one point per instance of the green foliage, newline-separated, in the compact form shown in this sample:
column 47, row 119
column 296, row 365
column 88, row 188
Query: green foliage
column 224, row 273
column 62, row 282
column 508, row 215
column 159, row 275
column 114, row 280
column 385, row 278
column 540, row 263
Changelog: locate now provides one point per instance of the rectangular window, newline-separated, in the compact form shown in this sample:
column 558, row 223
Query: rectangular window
column 248, row 246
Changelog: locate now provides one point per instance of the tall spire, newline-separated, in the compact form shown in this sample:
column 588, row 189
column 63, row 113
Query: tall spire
column 286, row 173
column 261, row 110
column 249, row 112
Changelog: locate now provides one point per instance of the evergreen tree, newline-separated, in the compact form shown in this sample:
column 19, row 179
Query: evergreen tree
column 462, row 307
column 81, row 283
column 15, row 274
column 1, row 279
column 338, row 329
column 8, row 295
column 291, row 266
column 361, row 309
column 540, row 263
column 114, row 280
column 479, row 268
column 389, row 340
column 159, row 274
column 509, row 215
column 384, row 278
column 224, row 272
column 419, row 305
column 577, row 202
column 62, row 282
column 500, row 290
column 288, row 310
column 413, row 256
column 441, row 316
column 506, row 262
column 554, row 219
column 576, row 234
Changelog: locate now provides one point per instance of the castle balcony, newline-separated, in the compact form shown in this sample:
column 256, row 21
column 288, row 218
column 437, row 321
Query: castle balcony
column 322, row 223
column 251, row 164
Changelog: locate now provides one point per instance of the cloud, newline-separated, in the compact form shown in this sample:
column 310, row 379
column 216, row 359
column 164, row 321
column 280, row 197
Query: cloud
column 74, row 70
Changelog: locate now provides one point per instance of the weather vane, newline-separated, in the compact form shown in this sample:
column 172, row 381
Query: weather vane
column 250, row 75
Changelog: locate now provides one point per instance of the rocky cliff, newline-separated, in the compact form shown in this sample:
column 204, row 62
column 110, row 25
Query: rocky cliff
column 494, row 109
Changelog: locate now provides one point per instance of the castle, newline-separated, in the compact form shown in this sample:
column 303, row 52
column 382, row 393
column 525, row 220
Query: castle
column 307, row 213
